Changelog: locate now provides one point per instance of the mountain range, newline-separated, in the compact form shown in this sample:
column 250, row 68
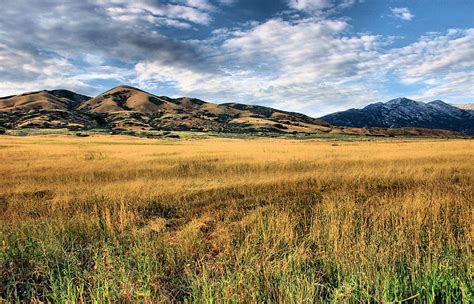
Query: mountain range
column 127, row 108
column 404, row 112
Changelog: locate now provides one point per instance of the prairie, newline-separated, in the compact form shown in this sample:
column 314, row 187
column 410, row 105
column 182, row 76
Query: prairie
column 108, row 219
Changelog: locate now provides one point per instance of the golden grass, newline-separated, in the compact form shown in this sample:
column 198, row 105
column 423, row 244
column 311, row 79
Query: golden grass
column 266, row 220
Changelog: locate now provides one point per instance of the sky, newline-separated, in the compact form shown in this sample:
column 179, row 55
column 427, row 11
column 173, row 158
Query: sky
column 309, row 56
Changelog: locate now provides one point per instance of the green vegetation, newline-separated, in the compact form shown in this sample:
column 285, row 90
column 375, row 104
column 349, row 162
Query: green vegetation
column 201, row 135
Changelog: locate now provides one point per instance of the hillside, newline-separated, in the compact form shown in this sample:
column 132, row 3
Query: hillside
column 404, row 112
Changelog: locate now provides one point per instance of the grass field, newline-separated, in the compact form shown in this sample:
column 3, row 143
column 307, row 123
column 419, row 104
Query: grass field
column 231, row 220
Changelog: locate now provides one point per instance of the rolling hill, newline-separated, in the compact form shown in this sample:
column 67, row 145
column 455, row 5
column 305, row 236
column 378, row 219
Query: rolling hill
column 42, row 100
column 129, row 108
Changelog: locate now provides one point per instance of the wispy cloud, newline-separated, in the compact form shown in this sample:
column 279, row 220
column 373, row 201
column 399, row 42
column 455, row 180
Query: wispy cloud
column 402, row 13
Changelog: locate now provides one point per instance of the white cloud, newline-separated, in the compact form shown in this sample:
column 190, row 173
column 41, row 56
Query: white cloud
column 200, row 4
column 94, row 33
column 402, row 13
column 170, row 14
column 314, row 65
column 320, row 5
column 298, row 66
column 122, row 75
column 310, row 4
column 453, row 86
column 8, row 88
column 431, row 56
column 21, row 71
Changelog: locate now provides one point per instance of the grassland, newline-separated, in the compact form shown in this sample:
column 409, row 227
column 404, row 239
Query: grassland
column 230, row 220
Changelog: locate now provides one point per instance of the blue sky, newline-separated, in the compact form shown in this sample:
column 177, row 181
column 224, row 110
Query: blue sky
column 310, row 56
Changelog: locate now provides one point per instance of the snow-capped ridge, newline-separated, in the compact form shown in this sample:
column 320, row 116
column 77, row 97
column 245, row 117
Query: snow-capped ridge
column 404, row 112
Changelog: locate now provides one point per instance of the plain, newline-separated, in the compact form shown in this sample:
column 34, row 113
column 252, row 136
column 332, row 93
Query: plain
column 129, row 219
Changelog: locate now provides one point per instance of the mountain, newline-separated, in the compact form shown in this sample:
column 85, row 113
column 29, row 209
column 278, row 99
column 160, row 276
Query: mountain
column 126, row 108
column 404, row 112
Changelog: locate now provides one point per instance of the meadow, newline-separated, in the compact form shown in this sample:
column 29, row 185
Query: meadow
column 123, row 219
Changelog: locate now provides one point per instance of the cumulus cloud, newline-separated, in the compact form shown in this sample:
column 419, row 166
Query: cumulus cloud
column 402, row 13
column 58, row 40
column 298, row 65
column 312, row 65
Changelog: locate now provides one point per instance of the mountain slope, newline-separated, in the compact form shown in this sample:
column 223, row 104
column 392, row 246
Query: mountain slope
column 404, row 112
column 45, row 109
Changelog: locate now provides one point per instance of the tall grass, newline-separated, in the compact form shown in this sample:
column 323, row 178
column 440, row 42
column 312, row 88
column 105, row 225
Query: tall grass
column 228, row 220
